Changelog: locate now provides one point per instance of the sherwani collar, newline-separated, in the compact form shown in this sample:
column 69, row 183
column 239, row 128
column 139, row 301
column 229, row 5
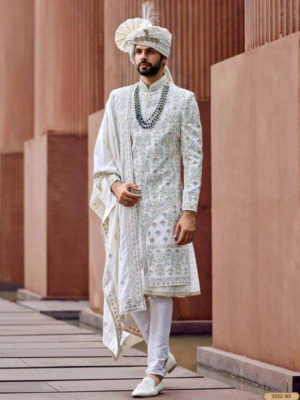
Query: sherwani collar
column 159, row 83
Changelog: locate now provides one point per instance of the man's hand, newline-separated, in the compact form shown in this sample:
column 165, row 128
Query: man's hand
column 187, row 227
column 123, row 194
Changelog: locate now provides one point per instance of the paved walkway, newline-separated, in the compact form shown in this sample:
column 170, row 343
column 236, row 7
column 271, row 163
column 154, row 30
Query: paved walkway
column 42, row 358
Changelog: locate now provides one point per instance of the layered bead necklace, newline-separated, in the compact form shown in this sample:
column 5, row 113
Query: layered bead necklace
column 151, row 121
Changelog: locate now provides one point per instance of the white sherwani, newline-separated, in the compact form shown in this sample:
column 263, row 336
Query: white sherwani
column 141, row 253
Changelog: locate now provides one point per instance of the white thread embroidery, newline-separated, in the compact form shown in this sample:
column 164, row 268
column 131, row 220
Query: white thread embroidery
column 154, row 155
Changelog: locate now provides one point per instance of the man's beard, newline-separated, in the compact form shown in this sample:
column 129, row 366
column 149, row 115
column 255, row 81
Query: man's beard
column 153, row 70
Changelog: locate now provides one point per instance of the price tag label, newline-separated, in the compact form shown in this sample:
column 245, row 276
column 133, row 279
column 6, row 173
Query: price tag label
column 281, row 396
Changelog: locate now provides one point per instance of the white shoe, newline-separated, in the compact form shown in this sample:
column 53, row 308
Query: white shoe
column 147, row 388
column 170, row 364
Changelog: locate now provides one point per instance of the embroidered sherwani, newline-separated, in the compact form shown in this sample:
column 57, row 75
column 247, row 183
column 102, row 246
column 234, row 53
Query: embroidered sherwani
column 144, row 258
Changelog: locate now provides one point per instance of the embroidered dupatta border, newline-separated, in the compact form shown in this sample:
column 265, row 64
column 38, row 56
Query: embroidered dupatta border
column 126, row 333
column 133, row 239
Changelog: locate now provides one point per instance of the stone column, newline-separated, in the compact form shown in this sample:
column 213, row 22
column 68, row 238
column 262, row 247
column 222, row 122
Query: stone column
column 68, row 87
column 68, row 64
column 16, row 126
column 96, row 244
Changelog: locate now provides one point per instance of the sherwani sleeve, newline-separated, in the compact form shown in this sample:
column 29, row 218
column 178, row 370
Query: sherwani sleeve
column 192, row 154
column 104, row 162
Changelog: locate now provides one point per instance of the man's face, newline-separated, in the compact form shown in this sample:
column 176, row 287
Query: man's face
column 147, row 60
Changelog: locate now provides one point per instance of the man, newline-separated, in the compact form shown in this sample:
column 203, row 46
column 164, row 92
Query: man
column 148, row 218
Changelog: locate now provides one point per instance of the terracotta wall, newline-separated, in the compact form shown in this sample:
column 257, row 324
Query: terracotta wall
column 68, row 64
column 56, row 215
column 11, row 220
column 268, row 20
column 96, row 244
column 35, row 215
column 255, row 203
column 16, row 73
column 68, row 87
column 16, row 126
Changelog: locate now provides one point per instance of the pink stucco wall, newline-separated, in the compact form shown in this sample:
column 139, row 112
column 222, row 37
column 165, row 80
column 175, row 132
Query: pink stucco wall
column 96, row 245
column 255, row 145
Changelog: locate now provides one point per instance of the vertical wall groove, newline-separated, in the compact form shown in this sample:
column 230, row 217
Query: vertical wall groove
column 16, row 74
column 68, row 64
column 268, row 20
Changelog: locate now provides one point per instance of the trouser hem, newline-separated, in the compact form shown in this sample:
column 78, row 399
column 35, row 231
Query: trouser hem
column 156, row 372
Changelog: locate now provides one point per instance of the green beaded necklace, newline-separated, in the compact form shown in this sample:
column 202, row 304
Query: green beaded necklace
column 151, row 121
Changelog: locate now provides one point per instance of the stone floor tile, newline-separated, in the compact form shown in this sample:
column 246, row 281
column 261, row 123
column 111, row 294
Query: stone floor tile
column 89, row 352
column 130, row 384
column 83, row 362
column 55, row 338
column 81, row 373
column 220, row 394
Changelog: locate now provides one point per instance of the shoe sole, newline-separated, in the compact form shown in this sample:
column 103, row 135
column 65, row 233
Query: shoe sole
column 152, row 395
column 172, row 368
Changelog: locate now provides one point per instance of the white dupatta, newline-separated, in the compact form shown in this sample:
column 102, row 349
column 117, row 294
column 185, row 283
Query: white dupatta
column 123, row 280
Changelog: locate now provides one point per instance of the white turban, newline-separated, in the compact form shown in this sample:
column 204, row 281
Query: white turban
column 141, row 31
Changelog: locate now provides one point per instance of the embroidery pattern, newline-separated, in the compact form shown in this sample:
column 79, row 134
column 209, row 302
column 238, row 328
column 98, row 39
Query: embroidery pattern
column 156, row 166
column 167, row 263
column 136, row 270
column 146, row 37
column 111, row 298
column 154, row 160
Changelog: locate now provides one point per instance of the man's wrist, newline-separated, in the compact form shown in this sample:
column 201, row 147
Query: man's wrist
column 114, row 185
column 189, row 212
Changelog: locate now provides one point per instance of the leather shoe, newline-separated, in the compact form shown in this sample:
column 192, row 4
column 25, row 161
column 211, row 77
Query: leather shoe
column 147, row 388
column 170, row 364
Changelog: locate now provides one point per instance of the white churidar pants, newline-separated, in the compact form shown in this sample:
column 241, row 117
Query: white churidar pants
column 155, row 325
